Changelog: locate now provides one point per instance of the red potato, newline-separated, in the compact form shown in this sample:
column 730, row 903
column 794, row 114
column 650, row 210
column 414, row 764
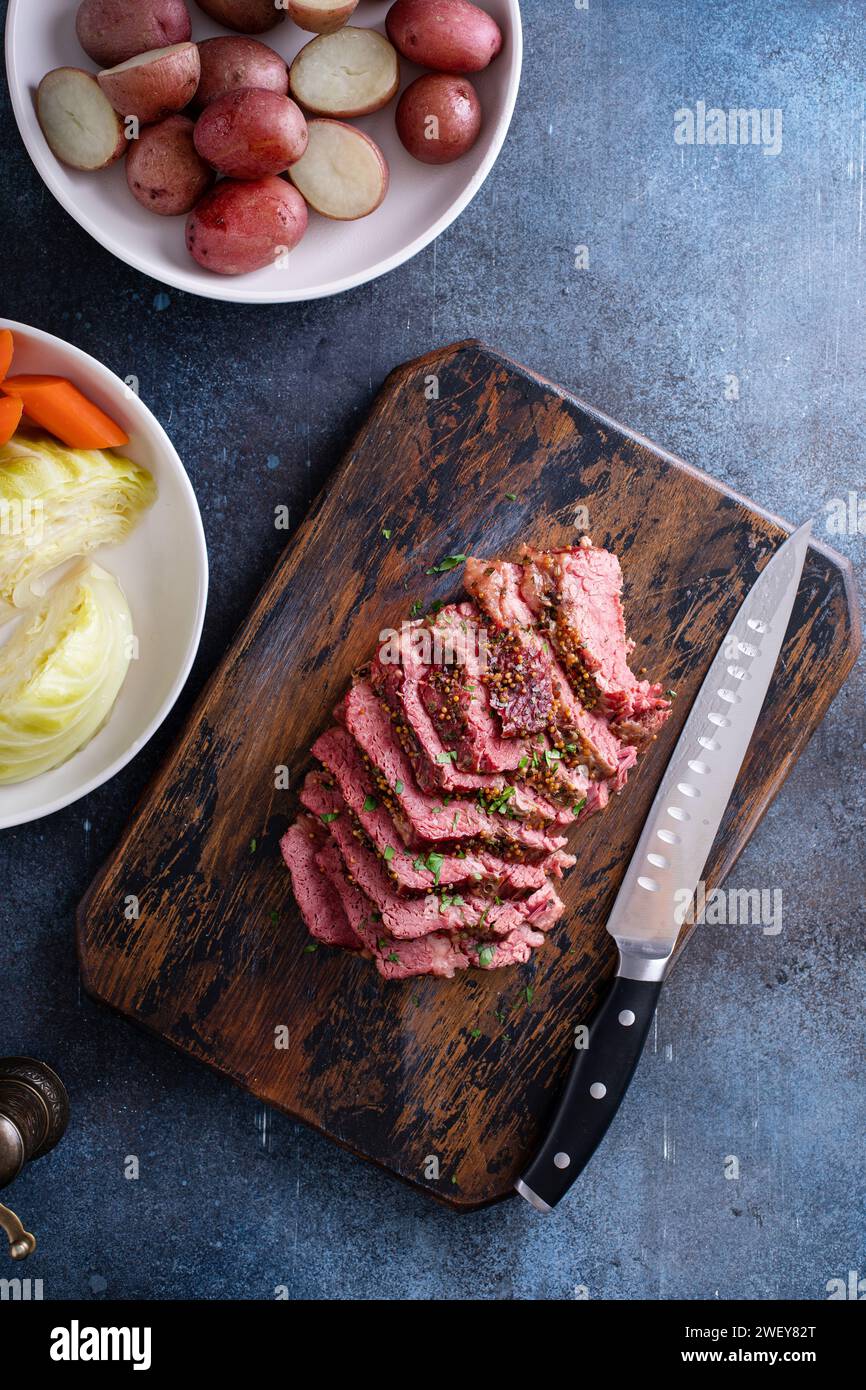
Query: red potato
column 321, row 16
column 232, row 62
column 247, row 16
column 349, row 73
column 78, row 121
column 439, row 117
column 239, row 227
column 250, row 134
column 110, row 31
column 154, row 84
column 446, row 35
column 165, row 172
column 344, row 174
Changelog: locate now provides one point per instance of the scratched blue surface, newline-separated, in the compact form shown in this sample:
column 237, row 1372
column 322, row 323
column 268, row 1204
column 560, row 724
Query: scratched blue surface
column 721, row 314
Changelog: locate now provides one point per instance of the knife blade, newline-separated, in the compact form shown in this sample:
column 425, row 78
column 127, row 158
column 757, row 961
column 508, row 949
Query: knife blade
column 665, row 870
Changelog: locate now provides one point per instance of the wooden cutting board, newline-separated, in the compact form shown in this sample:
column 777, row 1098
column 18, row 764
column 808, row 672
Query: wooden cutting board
column 446, row 1083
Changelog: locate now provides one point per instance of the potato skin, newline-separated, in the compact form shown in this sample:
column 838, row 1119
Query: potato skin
column 251, row 133
column 318, row 20
column 246, row 16
column 446, row 35
column 454, row 104
column 110, row 31
column 164, row 171
column 232, row 62
column 156, row 89
column 239, row 227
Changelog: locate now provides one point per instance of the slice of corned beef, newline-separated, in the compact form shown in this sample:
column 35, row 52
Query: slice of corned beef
column 513, row 684
column 514, row 949
column 320, row 904
column 575, row 596
column 455, row 695
column 431, row 818
column 434, row 954
column 478, row 869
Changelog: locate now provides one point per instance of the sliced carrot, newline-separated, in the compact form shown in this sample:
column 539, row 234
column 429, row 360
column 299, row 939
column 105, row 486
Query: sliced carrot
column 10, row 417
column 7, row 348
column 59, row 407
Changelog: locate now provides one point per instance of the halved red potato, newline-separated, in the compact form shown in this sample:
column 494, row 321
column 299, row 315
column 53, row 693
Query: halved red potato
column 153, row 84
column 78, row 121
column 239, row 227
column 439, row 117
column 321, row 16
column 343, row 174
column 247, row 16
column 110, row 31
column 233, row 61
column 165, row 172
column 349, row 73
column 446, row 35
column 251, row 133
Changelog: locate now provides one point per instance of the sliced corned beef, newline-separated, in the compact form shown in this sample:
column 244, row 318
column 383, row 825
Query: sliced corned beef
column 514, row 949
column 455, row 695
column 434, row 954
column 434, row 765
column 410, row 871
column 495, row 584
column 407, row 917
column 545, row 787
column 320, row 904
column 429, row 844
column 431, row 818
column 575, row 596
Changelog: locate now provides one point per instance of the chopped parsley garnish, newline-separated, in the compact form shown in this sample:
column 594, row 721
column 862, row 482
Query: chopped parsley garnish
column 500, row 802
column 449, row 563
column 578, row 807
column 313, row 946
column 398, row 787
column 386, row 534
column 370, row 803
column 447, row 756
column 475, row 1034
column 252, row 846
column 529, row 992
column 552, row 756
column 511, row 496
column 388, row 853
column 434, row 864
column 417, row 609
column 328, row 816
column 486, row 955
column 671, row 694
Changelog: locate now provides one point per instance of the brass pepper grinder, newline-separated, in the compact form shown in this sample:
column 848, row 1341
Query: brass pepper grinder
column 34, row 1113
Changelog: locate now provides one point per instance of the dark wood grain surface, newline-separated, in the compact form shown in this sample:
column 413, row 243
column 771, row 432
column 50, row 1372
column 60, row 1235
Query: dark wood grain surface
column 460, row 1071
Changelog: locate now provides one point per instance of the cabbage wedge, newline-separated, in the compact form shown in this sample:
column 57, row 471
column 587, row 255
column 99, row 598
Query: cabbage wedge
column 61, row 671
column 58, row 503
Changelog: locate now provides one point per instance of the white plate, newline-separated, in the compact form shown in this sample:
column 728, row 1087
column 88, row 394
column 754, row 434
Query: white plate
column 162, row 567
column 422, row 200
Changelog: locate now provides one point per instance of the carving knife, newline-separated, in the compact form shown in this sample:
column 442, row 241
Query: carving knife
column 665, row 870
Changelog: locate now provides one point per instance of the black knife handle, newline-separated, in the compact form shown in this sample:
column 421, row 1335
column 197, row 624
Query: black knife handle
column 598, row 1081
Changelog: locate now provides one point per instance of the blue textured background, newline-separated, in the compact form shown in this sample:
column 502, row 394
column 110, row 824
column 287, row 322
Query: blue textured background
column 703, row 262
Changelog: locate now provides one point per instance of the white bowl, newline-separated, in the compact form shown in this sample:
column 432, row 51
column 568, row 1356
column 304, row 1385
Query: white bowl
column 162, row 567
column 422, row 200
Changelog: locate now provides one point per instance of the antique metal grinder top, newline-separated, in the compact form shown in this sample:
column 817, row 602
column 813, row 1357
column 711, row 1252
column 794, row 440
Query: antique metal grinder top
column 34, row 1113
